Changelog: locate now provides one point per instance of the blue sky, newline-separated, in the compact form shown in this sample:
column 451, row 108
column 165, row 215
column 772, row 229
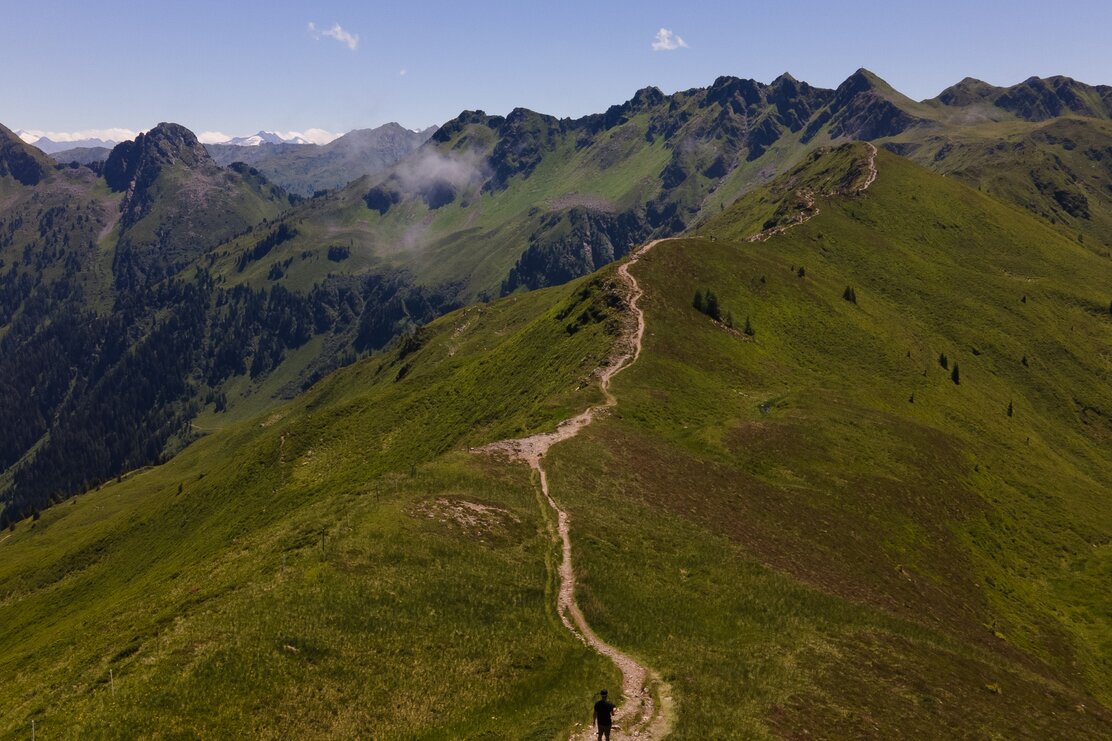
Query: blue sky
column 238, row 66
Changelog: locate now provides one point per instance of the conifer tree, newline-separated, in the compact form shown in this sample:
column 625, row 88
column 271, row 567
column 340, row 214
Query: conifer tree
column 712, row 309
column 943, row 360
column 748, row 327
column 699, row 302
column 955, row 375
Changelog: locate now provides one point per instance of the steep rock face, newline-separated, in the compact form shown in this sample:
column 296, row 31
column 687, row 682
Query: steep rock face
column 865, row 107
column 524, row 138
column 21, row 161
column 133, row 166
column 574, row 243
column 1037, row 99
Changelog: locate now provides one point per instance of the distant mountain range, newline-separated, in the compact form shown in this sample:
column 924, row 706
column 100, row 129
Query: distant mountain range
column 263, row 137
column 49, row 146
column 296, row 164
column 304, row 168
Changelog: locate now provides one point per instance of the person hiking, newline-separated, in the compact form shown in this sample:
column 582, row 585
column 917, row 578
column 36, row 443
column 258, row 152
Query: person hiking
column 604, row 712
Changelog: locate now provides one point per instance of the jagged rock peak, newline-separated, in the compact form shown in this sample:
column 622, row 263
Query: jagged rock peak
column 164, row 145
column 646, row 97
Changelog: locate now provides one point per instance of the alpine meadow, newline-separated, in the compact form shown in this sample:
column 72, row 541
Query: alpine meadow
column 777, row 410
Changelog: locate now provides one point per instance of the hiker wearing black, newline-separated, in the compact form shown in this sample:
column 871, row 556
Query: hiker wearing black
column 604, row 712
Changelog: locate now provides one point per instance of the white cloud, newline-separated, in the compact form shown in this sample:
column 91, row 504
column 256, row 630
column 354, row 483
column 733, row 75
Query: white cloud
column 212, row 137
column 337, row 32
column 117, row 135
column 667, row 41
column 316, row 136
column 403, row 72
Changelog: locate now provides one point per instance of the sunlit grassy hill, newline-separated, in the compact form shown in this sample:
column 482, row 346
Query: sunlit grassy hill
column 815, row 528
column 343, row 566
column 809, row 530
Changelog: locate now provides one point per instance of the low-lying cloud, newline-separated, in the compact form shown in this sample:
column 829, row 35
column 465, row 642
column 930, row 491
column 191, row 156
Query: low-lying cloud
column 667, row 41
column 427, row 166
column 433, row 176
column 337, row 32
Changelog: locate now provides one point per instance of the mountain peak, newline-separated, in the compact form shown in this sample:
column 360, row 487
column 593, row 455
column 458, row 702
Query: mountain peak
column 970, row 90
column 141, row 160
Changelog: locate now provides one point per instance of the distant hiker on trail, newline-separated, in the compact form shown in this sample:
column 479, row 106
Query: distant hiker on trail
column 604, row 710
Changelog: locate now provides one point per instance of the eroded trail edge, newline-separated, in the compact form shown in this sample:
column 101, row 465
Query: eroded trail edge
column 646, row 712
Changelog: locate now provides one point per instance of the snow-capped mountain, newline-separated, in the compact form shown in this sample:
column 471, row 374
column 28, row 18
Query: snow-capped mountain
column 264, row 137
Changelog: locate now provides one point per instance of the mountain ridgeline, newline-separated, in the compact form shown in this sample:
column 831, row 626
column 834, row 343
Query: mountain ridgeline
column 172, row 290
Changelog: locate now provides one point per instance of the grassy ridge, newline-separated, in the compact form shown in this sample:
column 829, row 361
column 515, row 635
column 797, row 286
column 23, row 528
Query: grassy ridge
column 795, row 543
column 322, row 570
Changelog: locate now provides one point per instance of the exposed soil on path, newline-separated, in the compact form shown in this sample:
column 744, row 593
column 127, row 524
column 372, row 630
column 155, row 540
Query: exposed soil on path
column 648, row 711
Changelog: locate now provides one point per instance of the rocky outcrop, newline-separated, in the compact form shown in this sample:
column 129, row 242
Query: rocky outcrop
column 133, row 166
column 20, row 160
column 573, row 243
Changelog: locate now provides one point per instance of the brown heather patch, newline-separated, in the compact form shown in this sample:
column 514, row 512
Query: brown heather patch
column 929, row 692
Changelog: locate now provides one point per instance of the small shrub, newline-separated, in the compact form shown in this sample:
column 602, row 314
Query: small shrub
column 955, row 375
column 850, row 295
column 802, row 272
column 1024, row 361
column 943, row 360
column 1011, row 409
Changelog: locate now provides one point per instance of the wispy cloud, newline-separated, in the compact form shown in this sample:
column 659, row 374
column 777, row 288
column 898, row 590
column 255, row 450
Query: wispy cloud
column 337, row 32
column 667, row 41
column 403, row 72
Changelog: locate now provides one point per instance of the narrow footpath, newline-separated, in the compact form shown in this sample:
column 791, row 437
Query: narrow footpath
column 648, row 710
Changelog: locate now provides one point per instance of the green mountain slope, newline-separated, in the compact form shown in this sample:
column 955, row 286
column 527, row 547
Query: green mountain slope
column 809, row 530
column 331, row 546
column 815, row 528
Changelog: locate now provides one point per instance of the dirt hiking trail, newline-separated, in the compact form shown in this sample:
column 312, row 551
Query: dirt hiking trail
column 648, row 710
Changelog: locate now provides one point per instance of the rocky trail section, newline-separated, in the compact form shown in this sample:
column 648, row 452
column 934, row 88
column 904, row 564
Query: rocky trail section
column 806, row 199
